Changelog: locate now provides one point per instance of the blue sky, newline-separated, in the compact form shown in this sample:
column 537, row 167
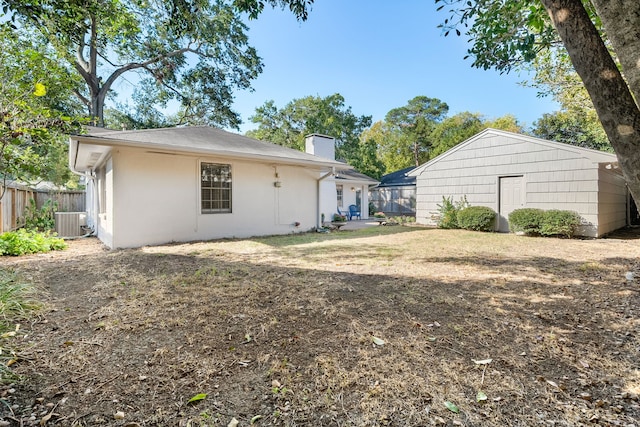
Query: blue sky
column 377, row 54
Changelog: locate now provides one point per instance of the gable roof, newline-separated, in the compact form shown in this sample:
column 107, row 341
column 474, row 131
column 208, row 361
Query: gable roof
column 594, row 155
column 398, row 178
column 86, row 151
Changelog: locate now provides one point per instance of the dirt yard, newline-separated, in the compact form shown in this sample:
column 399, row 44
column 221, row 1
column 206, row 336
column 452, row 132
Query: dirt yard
column 388, row 326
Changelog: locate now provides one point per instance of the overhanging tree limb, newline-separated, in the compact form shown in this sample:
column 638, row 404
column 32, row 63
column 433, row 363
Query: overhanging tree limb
column 610, row 94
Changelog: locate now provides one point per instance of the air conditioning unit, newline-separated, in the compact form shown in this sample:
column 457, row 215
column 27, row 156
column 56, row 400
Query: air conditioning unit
column 69, row 224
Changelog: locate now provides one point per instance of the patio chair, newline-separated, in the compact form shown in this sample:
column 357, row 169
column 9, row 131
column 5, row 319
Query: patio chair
column 354, row 211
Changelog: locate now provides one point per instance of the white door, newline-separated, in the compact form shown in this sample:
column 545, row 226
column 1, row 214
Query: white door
column 510, row 199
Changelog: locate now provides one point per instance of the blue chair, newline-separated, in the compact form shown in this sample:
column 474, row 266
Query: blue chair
column 354, row 211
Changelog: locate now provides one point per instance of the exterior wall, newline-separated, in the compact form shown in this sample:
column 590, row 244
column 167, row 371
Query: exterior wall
column 158, row 200
column 552, row 179
column 349, row 197
column 104, row 184
column 612, row 201
column 328, row 199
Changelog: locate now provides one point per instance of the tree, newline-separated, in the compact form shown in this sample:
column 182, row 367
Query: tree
column 35, row 113
column 576, row 122
column 597, row 35
column 192, row 51
column 329, row 116
column 379, row 135
column 416, row 122
column 456, row 129
column 570, row 128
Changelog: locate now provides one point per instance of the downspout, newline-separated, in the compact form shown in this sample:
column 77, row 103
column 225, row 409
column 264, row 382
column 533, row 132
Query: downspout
column 319, row 195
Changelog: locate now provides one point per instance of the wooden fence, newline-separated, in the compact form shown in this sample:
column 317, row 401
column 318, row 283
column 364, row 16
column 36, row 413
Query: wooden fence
column 17, row 197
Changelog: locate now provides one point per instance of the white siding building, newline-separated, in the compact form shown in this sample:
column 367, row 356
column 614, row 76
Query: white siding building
column 507, row 171
column 197, row 183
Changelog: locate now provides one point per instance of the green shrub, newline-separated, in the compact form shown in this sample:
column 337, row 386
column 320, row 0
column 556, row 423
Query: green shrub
column 449, row 212
column 477, row 218
column 42, row 219
column 560, row 223
column 22, row 241
column 526, row 220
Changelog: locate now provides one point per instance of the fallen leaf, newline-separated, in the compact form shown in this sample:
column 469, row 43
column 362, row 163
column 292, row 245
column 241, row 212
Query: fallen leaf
column 119, row 415
column 552, row 384
column 452, row 407
column 481, row 396
column 584, row 364
column 46, row 419
column 377, row 341
column 482, row 362
column 197, row 397
column 254, row 419
column 233, row 423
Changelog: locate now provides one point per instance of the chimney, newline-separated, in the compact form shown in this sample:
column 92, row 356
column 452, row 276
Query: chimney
column 320, row 145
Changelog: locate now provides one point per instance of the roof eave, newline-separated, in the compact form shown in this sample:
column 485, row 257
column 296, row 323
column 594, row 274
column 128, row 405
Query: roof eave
column 79, row 139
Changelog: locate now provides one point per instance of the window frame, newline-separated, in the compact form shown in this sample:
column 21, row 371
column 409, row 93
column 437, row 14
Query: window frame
column 217, row 192
column 340, row 194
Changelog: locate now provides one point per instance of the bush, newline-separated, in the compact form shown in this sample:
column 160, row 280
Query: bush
column 23, row 242
column 560, row 223
column 449, row 212
column 477, row 218
column 527, row 220
column 42, row 219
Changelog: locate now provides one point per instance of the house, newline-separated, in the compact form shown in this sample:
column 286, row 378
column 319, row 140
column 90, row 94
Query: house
column 347, row 187
column 156, row 186
column 395, row 195
column 507, row 171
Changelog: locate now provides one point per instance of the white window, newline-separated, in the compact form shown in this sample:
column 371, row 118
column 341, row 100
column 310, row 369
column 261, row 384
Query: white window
column 215, row 188
column 339, row 191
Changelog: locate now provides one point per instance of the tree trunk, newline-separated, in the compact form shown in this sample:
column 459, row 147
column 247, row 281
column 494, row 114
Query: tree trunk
column 608, row 90
column 621, row 19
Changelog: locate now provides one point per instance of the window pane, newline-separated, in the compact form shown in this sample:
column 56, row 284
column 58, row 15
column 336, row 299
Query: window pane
column 215, row 188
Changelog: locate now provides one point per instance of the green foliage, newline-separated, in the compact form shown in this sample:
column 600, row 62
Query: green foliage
column 15, row 298
column 414, row 124
column 42, row 219
column 503, row 35
column 339, row 218
column 572, row 127
column 449, row 212
column 390, row 145
column 545, row 223
column 22, row 242
column 289, row 125
column 477, row 218
column 195, row 53
column 300, row 8
column 35, row 110
column 526, row 220
column 560, row 223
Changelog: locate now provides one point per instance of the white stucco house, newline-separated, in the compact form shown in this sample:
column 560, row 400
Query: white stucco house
column 347, row 187
column 507, row 171
column 156, row 186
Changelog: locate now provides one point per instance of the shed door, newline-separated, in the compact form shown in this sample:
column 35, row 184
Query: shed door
column 510, row 199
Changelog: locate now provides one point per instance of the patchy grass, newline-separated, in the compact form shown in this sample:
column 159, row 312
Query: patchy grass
column 383, row 326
